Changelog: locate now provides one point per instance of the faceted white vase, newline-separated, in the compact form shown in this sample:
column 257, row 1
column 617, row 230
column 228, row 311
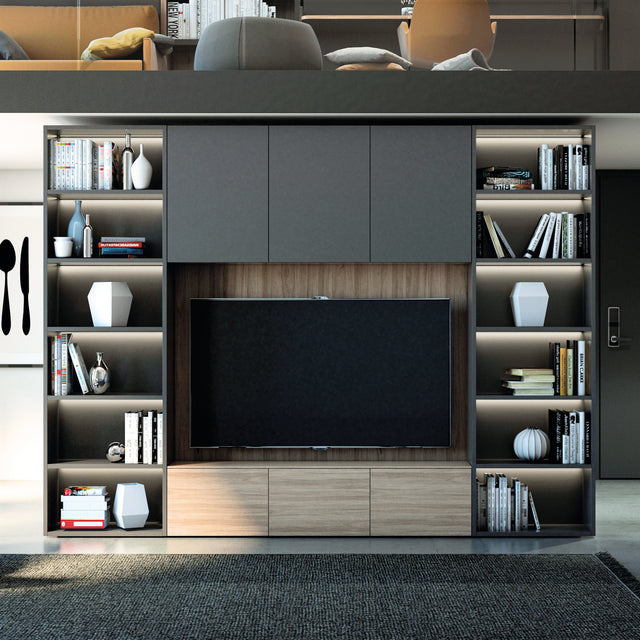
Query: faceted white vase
column 141, row 171
column 110, row 303
column 130, row 507
column 531, row 444
column 529, row 302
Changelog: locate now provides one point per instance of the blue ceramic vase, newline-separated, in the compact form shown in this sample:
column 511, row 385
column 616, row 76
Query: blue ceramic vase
column 75, row 229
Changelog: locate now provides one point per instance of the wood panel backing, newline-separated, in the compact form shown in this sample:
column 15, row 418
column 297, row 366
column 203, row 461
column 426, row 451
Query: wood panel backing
column 420, row 502
column 319, row 502
column 215, row 502
column 364, row 280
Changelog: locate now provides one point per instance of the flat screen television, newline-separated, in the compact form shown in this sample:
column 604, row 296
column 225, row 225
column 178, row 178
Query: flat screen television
column 320, row 372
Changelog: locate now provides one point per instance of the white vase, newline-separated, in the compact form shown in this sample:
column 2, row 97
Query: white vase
column 531, row 444
column 141, row 171
column 110, row 303
column 130, row 507
column 529, row 302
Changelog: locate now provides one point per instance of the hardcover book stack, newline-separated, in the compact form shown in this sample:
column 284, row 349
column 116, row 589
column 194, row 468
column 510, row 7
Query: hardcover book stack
column 570, row 435
column 504, row 504
column 65, row 356
column 122, row 246
column 84, row 507
column 143, row 437
column 564, row 166
column 187, row 20
column 529, row 382
column 570, row 365
column 504, row 179
column 81, row 164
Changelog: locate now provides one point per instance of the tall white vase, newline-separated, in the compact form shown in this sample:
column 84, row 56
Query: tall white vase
column 529, row 302
column 130, row 506
column 141, row 171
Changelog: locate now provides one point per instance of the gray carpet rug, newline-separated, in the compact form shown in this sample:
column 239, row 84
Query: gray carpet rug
column 313, row 597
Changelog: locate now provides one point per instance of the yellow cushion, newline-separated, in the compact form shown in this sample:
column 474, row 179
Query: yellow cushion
column 121, row 44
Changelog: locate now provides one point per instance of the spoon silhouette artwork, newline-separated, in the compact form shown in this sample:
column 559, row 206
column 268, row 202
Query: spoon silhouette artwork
column 7, row 262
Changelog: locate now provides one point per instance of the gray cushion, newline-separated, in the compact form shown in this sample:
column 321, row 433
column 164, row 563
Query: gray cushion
column 257, row 43
column 10, row 49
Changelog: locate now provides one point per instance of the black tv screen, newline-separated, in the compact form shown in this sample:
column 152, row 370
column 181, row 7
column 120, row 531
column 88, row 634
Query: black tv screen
column 320, row 372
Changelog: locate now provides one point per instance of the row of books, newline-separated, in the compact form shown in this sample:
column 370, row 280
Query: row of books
column 84, row 507
column 121, row 246
column 557, row 235
column 570, row 364
column 65, row 355
column 565, row 166
column 504, row 504
column 187, row 20
column 570, row 436
column 504, row 179
column 81, row 164
column 143, row 437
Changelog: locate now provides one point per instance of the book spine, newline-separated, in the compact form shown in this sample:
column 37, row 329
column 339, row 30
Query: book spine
column 586, row 166
column 83, row 524
column 581, row 438
column 479, row 235
column 534, row 512
column 564, row 243
column 548, row 234
column 172, row 19
column 160, row 433
column 491, row 498
column 554, row 348
column 494, row 236
column 571, row 240
column 557, row 236
column 140, row 425
column 517, row 505
column 503, row 239
column 581, row 369
column 537, row 234
column 481, row 496
column 147, row 438
column 84, row 387
column 524, row 516
column 569, row 368
column 129, row 245
column 566, row 438
column 154, row 437
column 573, row 437
column 563, row 371
column 587, row 235
column 587, row 437
column 131, row 437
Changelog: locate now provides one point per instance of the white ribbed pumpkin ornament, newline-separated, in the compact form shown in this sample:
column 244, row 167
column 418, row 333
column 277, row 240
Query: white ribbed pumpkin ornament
column 531, row 444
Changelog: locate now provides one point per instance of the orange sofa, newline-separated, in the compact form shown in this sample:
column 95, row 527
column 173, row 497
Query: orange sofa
column 55, row 37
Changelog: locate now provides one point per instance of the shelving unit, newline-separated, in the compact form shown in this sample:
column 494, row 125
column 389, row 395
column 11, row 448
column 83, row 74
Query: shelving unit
column 564, row 494
column 79, row 427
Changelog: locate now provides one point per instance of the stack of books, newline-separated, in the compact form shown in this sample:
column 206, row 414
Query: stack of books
column 121, row 246
column 505, row 179
column 504, row 504
column 143, row 437
column 84, row 507
column 529, row 382
column 561, row 235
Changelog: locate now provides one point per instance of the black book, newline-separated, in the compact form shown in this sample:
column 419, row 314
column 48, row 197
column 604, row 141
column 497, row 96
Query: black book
column 555, row 435
column 556, row 167
column 154, row 438
column 587, row 235
column 482, row 235
column 579, row 233
column 140, row 436
column 554, row 351
column 566, row 436
column 586, row 162
column 587, row 437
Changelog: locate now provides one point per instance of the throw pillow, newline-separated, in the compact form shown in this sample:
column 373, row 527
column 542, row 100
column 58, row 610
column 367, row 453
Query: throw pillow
column 120, row 45
column 10, row 49
column 356, row 55
column 371, row 66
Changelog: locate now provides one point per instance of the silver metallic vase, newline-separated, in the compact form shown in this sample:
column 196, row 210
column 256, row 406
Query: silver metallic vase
column 99, row 375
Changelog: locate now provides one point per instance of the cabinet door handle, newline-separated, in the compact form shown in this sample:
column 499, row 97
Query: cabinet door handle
column 613, row 327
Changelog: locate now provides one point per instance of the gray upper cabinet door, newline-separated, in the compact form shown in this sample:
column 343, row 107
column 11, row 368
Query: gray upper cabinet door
column 217, row 198
column 319, row 193
column 421, row 200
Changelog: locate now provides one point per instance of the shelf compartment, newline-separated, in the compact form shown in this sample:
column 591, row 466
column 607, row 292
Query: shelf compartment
column 151, row 529
column 69, row 285
column 563, row 495
column 124, row 216
column 79, row 432
column 134, row 359
column 62, row 476
column 567, row 285
column 497, row 351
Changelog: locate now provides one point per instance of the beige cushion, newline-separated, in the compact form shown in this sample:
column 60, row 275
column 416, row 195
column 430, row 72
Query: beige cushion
column 371, row 66
column 359, row 55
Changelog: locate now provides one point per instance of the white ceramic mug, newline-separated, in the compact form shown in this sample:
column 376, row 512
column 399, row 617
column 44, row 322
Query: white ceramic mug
column 62, row 246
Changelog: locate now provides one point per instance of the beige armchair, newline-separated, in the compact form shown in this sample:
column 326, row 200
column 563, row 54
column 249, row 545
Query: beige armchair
column 442, row 29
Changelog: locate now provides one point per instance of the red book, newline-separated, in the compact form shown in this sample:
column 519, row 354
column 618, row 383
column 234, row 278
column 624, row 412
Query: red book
column 126, row 245
column 83, row 524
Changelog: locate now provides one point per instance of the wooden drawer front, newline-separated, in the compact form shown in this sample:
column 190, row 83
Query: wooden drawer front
column 421, row 502
column 319, row 502
column 214, row 502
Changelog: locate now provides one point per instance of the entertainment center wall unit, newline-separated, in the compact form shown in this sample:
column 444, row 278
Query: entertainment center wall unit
column 343, row 210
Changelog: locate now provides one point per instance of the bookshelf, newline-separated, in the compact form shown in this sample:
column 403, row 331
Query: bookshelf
column 79, row 427
column 564, row 493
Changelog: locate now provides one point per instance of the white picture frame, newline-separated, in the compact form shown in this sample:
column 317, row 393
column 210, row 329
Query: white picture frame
column 18, row 222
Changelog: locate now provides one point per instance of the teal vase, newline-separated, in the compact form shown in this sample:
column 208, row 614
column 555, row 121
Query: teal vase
column 75, row 229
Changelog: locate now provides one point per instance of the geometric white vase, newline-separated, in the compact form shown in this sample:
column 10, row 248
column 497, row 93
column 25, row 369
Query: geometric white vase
column 531, row 444
column 130, row 507
column 110, row 303
column 529, row 302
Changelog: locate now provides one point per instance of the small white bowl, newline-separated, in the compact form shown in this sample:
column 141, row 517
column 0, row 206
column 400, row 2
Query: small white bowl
column 63, row 246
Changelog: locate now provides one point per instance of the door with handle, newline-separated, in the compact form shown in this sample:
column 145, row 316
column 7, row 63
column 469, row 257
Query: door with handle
column 618, row 231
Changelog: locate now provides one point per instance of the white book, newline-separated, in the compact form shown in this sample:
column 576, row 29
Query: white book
column 573, row 436
column 524, row 515
column 65, row 387
column 566, row 448
column 548, row 234
column 147, row 438
column 581, row 368
column 84, row 503
column 490, row 480
column 571, row 236
column 79, row 366
column 504, row 501
column 578, row 167
column 131, row 437
column 89, row 514
column 160, row 423
column 537, row 235
column 557, row 236
column 193, row 19
column 517, row 504
column 543, row 170
column 581, row 438
column 571, row 178
column 534, row 512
